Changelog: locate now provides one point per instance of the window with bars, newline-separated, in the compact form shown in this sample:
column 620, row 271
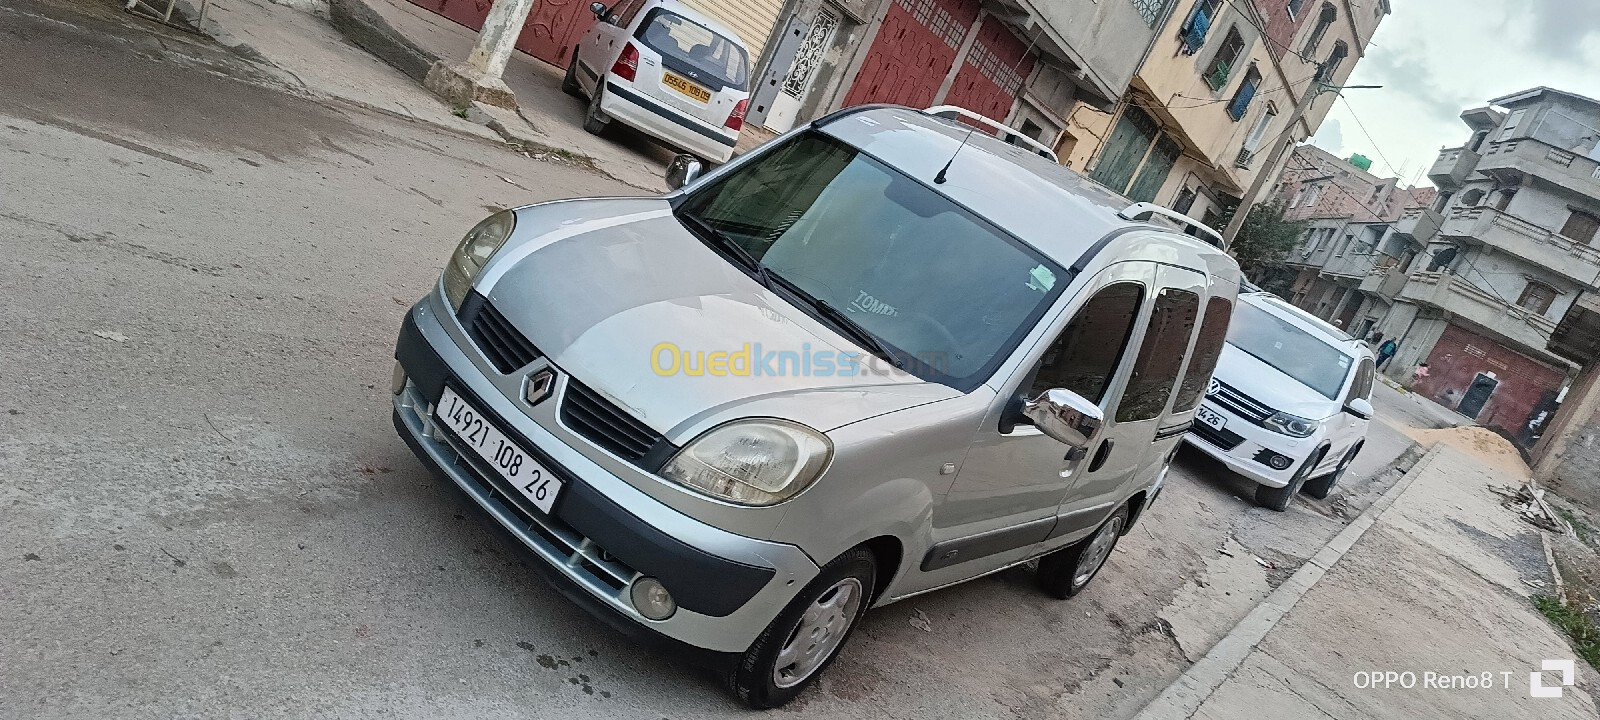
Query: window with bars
column 1150, row 10
column 1223, row 62
column 1536, row 297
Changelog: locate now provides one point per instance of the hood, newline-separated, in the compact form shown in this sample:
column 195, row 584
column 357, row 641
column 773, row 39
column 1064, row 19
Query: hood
column 1271, row 386
column 619, row 295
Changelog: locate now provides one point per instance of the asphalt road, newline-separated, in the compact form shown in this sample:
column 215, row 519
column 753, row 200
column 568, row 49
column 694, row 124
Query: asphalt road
column 207, row 513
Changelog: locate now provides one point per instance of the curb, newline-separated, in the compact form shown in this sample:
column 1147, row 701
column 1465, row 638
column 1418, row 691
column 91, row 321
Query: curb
column 364, row 27
column 1181, row 699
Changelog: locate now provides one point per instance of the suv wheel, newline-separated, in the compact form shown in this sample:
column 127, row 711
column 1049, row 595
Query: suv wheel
column 1277, row 499
column 1320, row 487
column 805, row 638
column 595, row 120
column 1066, row 572
column 569, row 84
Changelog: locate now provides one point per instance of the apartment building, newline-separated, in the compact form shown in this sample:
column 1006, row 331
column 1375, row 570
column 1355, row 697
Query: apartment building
column 1214, row 91
column 1514, row 249
column 1357, row 223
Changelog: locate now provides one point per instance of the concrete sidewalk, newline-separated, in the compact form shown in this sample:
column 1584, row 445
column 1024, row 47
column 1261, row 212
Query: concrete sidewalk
column 375, row 52
column 1434, row 581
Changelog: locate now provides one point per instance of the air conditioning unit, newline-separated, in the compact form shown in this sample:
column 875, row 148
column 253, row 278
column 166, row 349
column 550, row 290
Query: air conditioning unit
column 1245, row 157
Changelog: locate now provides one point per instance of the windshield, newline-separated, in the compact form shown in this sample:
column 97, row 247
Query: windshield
column 684, row 41
column 948, row 294
column 1294, row 352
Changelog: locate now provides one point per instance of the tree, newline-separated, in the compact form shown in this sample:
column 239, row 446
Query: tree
column 1265, row 238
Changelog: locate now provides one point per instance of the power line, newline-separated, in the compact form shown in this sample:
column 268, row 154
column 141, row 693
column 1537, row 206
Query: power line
column 1363, row 127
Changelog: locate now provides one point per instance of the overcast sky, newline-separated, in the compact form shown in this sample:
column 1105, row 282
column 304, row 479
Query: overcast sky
column 1436, row 58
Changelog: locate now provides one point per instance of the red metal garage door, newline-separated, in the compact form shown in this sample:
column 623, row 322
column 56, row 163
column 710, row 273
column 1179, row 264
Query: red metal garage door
column 993, row 74
column 913, row 52
column 553, row 26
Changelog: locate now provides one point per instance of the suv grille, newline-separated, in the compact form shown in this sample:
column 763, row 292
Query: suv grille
column 605, row 424
column 1241, row 404
column 505, row 346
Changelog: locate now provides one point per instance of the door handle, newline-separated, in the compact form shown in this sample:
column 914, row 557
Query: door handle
column 1101, row 454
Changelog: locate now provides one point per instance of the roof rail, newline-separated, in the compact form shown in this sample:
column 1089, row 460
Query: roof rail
column 1010, row 135
column 1144, row 210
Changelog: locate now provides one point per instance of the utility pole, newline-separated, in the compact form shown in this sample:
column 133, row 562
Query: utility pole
column 479, row 77
column 1313, row 89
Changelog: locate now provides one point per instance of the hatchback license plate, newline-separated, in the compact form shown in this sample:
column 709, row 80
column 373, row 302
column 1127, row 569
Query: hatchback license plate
column 517, row 466
column 1210, row 417
column 683, row 85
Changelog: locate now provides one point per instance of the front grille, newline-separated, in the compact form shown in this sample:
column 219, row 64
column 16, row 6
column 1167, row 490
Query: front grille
column 505, row 346
column 1224, row 438
column 605, row 424
column 1238, row 403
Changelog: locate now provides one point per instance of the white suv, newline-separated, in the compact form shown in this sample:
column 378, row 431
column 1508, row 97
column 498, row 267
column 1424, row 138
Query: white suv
column 1289, row 403
column 663, row 68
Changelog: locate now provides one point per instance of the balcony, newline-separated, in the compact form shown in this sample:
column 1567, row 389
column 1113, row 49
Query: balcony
column 1384, row 281
column 1352, row 265
column 1546, row 162
column 1452, row 167
column 1577, row 336
column 1419, row 222
column 1450, row 293
column 1515, row 236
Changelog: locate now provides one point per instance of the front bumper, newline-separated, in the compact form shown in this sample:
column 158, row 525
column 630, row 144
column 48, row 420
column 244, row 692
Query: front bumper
column 603, row 532
column 1249, row 442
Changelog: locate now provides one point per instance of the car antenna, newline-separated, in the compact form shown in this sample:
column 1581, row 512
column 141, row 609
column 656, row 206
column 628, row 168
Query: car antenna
column 940, row 178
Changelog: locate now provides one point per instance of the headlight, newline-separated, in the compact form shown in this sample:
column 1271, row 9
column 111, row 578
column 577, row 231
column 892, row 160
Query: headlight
column 481, row 243
column 1291, row 425
column 751, row 462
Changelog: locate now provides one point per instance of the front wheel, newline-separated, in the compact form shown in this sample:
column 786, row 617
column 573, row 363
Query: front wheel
column 805, row 638
column 1320, row 487
column 1277, row 499
column 1066, row 572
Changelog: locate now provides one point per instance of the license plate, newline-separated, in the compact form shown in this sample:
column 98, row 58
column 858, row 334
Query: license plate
column 537, row 484
column 683, row 85
column 1210, row 417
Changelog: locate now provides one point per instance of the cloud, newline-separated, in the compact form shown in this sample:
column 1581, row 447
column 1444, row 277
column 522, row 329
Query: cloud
column 1330, row 136
column 1557, row 28
column 1404, row 74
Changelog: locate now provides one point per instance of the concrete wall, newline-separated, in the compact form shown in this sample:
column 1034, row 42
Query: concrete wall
column 1506, row 276
column 1461, row 354
column 1109, row 36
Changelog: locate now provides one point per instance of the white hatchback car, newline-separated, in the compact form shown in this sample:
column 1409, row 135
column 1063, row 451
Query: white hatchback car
column 1289, row 403
column 665, row 69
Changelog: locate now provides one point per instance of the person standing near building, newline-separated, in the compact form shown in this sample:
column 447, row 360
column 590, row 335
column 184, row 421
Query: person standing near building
column 1386, row 350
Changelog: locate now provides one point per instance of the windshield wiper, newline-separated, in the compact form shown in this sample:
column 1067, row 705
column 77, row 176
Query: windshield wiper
column 855, row 330
column 726, row 244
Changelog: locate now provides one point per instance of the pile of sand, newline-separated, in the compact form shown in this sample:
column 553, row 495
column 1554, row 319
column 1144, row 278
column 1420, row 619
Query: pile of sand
column 1493, row 450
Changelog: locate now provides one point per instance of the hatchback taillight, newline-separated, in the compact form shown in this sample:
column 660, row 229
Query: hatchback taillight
column 736, row 118
column 627, row 64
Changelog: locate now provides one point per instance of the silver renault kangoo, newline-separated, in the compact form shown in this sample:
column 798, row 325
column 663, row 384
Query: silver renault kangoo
column 881, row 354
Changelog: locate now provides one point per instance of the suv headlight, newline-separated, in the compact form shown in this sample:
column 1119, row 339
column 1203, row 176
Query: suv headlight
column 480, row 244
column 1292, row 425
column 751, row 462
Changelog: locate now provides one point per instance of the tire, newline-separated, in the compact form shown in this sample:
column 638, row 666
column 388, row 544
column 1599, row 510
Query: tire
column 759, row 680
column 1320, row 487
column 1066, row 572
column 1278, row 499
column 569, row 84
column 595, row 120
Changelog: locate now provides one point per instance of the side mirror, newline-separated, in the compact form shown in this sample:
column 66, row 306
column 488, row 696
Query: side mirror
column 599, row 9
column 683, row 170
column 1066, row 417
column 1360, row 408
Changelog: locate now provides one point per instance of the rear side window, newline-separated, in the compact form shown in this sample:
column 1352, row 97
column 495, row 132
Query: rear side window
column 1362, row 387
column 1084, row 357
column 1207, row 348
column 626, row 10
column 682, row 41
column 1172, row 319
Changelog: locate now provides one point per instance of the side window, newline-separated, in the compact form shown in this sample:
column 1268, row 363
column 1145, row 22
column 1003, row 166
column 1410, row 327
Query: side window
column 1084, row 357
column 1172, row 319
column 1362, row 387
column 1207, row 348
column 625, row 11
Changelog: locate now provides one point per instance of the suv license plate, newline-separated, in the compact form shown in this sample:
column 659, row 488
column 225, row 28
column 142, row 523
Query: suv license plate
column 683, row 85
column 537, row 484
column 1210, row 417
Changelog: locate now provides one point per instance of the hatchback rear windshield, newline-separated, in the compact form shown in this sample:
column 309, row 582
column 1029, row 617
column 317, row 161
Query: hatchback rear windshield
column 684, row 41
column 1294, row 352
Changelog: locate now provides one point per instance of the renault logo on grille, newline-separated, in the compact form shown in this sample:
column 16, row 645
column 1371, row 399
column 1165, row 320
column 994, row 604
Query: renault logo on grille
column 539, row 385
